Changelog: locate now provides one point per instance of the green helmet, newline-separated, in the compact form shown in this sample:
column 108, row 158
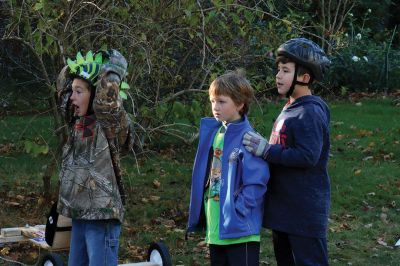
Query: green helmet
column 87, row 68
column 92, row 65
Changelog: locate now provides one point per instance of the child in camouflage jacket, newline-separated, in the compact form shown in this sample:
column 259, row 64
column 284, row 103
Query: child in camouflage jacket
column 91, row 191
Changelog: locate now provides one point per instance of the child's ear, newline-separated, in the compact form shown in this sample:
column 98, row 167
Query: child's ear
column 305, row 78
column 240, row 107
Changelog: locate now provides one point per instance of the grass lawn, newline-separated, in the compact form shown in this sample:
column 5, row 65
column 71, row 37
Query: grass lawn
column 365, row 180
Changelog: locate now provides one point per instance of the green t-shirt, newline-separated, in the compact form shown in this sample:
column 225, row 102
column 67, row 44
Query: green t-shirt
column 211, row 198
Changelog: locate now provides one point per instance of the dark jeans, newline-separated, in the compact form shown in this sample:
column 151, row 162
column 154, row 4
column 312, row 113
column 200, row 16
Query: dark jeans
column 243, row 254
column 298, row 250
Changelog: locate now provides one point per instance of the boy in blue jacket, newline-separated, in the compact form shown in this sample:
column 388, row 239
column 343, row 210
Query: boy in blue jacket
column 298, row 198
column 228, row 182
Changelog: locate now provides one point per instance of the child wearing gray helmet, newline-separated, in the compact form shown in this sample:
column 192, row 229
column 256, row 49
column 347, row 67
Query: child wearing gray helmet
column 298, row 199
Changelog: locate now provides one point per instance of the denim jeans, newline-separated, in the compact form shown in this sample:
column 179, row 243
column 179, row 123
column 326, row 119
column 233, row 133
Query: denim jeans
column 94, row 243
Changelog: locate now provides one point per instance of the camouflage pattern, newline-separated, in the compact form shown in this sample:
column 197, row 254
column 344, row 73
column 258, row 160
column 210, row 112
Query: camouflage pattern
column 90, row 178
column 64, row 91
column 116, row 63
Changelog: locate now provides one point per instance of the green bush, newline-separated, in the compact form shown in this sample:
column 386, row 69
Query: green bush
column 364, row 60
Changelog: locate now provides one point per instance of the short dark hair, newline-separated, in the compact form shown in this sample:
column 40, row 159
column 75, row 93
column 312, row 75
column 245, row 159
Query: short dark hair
column 301, row 70
column 234, row 85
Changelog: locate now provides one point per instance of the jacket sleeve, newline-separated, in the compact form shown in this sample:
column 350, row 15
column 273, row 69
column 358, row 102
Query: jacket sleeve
column 307, row 143
column 63, row 94
column 109, row 110
column 255, row 176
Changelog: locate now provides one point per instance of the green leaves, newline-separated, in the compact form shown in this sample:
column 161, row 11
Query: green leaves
column 38, row 6
column 34, row 148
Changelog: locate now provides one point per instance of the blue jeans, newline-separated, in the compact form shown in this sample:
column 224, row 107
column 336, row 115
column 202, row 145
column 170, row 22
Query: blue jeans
column 94, row 243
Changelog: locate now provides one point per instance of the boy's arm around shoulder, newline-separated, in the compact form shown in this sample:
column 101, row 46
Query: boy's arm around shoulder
column 310, row 133
column 255, row 176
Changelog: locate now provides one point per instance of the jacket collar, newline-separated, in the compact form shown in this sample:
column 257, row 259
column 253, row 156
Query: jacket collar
column 212, row 123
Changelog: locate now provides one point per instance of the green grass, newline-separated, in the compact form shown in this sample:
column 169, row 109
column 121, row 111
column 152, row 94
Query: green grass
column 364, row 170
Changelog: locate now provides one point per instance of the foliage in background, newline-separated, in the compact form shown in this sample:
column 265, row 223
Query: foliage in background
column 176, row 48
column 365, row 61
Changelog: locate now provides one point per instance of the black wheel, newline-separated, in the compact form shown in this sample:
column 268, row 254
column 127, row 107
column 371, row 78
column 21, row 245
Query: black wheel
column 52, row 259
column 158, row 253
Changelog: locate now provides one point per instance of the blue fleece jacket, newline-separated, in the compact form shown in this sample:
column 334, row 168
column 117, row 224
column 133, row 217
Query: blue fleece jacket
column 298, row 197
column 244, row 180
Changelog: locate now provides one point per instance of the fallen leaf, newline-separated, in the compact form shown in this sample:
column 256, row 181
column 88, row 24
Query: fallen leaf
column 5, row 251
column 340, row 137
column 383, row 217
column 202, row 244
column 371, row 144
column 20, row 197
column 388, row 157
column 12, row 204
column 381, row 242
column 345, row 226
column 368, row 225
column 368, row 158
column 337, row 123
column 156, row 183
column 154, row 198
column 144, row 200
column 180, row 243
column 357, row 172
column 364, row 133
column 41, row 201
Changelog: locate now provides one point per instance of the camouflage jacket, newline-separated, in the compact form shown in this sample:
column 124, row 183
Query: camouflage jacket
column 90, row 177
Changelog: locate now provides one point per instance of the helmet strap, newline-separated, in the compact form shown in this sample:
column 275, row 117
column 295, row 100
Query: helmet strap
column 296, row 82
column 291, row 89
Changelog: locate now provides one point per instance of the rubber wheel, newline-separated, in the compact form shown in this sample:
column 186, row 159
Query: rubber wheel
column 158, row 253
column 52, row 259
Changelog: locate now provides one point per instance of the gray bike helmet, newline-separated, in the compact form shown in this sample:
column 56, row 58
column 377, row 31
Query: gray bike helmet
column 306, row 53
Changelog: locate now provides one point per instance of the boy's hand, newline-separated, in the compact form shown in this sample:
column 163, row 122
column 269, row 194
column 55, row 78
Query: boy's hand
column 256, row 144
column 117, row 64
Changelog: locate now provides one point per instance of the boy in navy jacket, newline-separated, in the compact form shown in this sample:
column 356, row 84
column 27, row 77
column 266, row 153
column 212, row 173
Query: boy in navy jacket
column 298, row 198
column 228, row 182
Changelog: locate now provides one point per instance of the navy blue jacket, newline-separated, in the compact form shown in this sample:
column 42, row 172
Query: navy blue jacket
column 298, row 197
column 244, row 180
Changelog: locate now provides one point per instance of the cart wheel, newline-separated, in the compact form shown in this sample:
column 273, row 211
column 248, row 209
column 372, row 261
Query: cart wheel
column 158, row 253
column 52, row 259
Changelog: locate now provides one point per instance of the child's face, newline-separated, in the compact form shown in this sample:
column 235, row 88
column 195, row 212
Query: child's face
column 284, row 77
column 224, row 108
column 80, row 97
